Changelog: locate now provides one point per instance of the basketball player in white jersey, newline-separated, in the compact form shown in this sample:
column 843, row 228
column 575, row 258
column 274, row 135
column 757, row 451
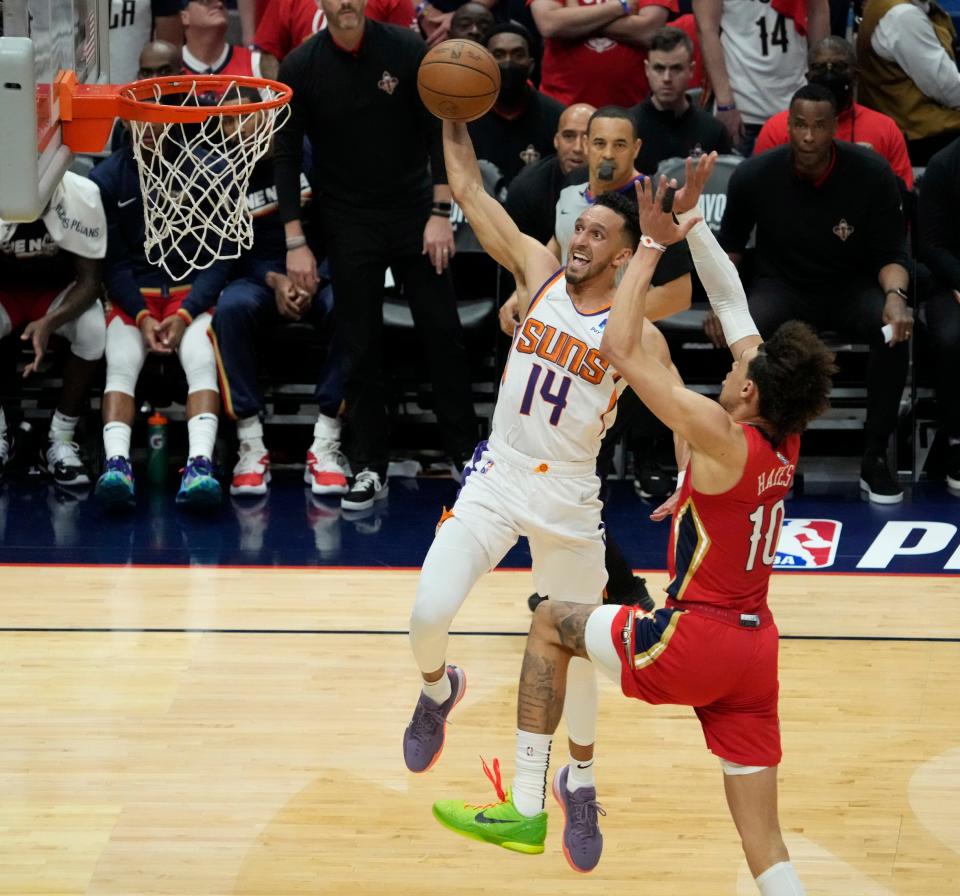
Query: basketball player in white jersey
column 536, row 476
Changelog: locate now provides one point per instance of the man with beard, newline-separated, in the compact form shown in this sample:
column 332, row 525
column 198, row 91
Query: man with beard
column 519, row 130
column 832, row 64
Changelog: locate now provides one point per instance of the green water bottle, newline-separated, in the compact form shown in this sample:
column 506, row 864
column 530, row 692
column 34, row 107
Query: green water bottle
column 157, row 452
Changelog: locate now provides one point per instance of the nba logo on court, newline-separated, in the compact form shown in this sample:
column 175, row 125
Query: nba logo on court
column 807, row 544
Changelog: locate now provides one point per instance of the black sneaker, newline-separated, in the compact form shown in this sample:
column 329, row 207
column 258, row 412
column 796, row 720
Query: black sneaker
column 878, row 482
column 534, row 601
column 367, row 487
column 953, row 467
column 62, row 461
column 637, row 596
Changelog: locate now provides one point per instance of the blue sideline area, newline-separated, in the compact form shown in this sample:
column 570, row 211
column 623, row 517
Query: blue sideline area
column 288, row 527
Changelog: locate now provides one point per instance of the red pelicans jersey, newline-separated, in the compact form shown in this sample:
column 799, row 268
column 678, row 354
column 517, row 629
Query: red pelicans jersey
column 722, row 547
column 558, row 394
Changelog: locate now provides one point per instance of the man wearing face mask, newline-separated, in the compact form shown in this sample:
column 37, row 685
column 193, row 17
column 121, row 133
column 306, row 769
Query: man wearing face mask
column 832, row 64
column 519, row 129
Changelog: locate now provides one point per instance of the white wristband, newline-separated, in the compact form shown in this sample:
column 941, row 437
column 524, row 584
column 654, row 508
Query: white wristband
column 650, row 243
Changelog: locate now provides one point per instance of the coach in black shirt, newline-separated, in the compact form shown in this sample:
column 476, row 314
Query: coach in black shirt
column 829, row 251
column 384, row 202
column 669, row 125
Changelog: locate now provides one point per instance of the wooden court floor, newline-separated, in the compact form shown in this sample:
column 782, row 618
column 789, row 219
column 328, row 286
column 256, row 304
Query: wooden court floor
column 224, row 731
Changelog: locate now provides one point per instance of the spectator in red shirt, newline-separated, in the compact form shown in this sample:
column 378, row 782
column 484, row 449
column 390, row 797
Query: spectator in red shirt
column 833, row 65
column 288, row 23
column 205, row 49
column 594, row 52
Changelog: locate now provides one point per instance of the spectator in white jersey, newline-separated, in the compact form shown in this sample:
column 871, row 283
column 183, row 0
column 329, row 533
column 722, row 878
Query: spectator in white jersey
column 756, row 55
column 132, row 24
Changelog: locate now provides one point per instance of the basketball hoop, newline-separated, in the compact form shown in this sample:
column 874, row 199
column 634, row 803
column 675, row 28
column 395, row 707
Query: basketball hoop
column 196, row 139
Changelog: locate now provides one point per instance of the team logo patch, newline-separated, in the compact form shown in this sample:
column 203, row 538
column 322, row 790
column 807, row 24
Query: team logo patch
column 843, row 230
column 530, row 155
column 388, row 83
column 807, row 544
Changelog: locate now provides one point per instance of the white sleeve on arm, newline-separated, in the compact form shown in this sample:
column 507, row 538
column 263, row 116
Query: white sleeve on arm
column 905, row 35
column 720, row 279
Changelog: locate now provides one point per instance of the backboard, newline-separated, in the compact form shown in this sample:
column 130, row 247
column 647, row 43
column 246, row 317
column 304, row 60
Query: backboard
column 40, row 39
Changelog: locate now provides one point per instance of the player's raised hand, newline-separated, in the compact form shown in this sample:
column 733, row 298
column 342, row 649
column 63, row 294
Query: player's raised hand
column 655, row 223
column 696, row 174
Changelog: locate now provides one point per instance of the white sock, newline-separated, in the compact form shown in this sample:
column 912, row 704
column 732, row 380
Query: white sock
column 325, row 430
column 580, row 774
column 530, row 779
column 250, row 431
column 438, row 691
column 201, row 435
column 780, row 880
column 62, row 427
column 116, row 439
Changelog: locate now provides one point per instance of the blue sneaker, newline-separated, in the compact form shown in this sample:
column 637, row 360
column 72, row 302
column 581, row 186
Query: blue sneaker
column 199, row 487
column 582, row 840
column 115, row 487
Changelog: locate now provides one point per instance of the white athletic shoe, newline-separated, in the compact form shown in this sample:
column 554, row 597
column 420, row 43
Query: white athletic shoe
column 62, row 461
column 251, row 475
column 325, row 471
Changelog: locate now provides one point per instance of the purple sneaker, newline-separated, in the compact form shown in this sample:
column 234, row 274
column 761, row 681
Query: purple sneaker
column 582, row 840
column 424, row 736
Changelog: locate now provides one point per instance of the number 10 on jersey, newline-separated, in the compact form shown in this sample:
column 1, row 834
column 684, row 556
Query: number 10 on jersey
column 558, row 399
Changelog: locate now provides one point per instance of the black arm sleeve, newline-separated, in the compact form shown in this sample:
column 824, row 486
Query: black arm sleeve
column 738, row 217
column 938, row 230
column 886, row 243
column 288, row 148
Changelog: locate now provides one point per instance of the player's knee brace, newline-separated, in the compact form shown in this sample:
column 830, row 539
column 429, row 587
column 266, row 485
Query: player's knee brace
column 733, row 768
column 87, row 334
column 125, row 356
column 197, row 358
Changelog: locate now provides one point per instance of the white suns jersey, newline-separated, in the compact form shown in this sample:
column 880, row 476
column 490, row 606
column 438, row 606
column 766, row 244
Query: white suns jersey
column 558, row 395
column 765, row 56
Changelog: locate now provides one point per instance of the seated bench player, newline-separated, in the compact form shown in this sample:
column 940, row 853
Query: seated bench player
column 153, row 313
column 50, row 271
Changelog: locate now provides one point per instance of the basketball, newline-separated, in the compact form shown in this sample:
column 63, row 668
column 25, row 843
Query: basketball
column 458, row 80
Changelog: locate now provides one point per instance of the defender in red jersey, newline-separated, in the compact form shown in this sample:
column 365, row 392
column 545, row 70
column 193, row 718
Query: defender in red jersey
column 714, row 646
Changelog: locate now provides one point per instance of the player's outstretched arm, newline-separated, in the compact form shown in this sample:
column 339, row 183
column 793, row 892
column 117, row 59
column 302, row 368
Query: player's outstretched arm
column 697, row 419
column 530, row 262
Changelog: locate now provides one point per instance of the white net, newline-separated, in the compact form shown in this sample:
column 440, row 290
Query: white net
column 194, row 176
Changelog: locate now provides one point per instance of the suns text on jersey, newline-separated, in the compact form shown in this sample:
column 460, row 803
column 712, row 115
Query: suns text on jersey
column 781, row 476
column 562, row 349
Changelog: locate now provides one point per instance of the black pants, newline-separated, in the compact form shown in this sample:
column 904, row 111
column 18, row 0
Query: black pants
column 360, row 251
column 943, row 331
column 855, row 313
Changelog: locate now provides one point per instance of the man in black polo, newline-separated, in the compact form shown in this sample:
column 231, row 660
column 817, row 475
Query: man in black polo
column 519, row 129
column 830, row 252
column 355, row 98
column 668, row 124
column 533, row 193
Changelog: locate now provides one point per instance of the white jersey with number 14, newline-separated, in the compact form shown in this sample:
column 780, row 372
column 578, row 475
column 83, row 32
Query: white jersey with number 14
column 558, row 395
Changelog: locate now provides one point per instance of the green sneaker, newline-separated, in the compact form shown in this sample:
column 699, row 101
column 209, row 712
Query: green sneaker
column 497, row 823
